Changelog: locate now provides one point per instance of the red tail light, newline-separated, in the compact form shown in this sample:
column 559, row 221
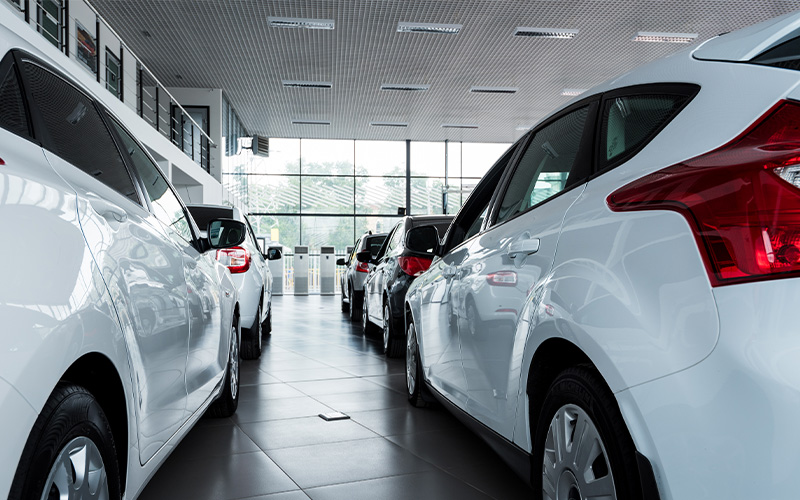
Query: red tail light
column 414, row 266
column 502, row 278
column 742, row 200
column 362, row 267
column 236, row 258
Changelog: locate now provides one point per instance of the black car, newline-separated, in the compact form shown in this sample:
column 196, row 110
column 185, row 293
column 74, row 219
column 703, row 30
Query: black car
column 395, row 268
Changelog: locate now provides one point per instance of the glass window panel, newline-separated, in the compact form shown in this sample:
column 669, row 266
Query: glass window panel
column 284, row 158
column 277, row 230
column 455, row 198
column 453, row 159
column 325, row 194
column 380, row 195
column 322, row 231
column 427, row 159
column 320, row 156
column 13, row 117
column 112, row 73
column 479, row 157
column 378, row 225
column 381, row 158
column 268, row 193
column 426, row 195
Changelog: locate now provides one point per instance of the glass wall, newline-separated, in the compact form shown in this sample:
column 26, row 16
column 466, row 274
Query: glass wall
column 329, row 192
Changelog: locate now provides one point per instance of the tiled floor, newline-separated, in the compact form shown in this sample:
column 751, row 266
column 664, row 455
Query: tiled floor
column 276, row 447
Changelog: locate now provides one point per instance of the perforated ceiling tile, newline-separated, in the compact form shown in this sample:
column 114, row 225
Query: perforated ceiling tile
column 229, row 44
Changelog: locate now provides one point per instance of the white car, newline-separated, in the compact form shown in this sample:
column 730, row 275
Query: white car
column 650, row 234
column 119, row 327
column 355, row 274
column 251, row 274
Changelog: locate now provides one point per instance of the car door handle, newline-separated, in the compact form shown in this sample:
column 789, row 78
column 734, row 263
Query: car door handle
column 523, row 247
column 106, row 209
column 449, row 271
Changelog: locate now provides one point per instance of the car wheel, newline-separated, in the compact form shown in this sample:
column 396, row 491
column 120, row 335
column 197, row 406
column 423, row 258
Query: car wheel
column 345, row 305
column 471, row 316
column 266, row 327
column 366, row 325
column 355, row 304
column 582, row 447
column 70, row 452
column 251, row 343
column 414, row 382
column 392, row 346
column 228, row 400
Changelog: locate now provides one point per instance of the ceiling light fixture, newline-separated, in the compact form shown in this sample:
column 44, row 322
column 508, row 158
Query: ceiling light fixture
column 572, row 92
column 493, row 90
column 562, row 33
column 458, row 125
column 310, row 122
column 400, row 86
column 298, row 22
column 449, row 29
column 388, row 124
column 656, row 36
column 306, row 84
column 523, row 127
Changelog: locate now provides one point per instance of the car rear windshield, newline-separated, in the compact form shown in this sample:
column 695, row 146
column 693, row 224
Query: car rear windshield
column 785, row 55
column 374, row 244
column 203, row 215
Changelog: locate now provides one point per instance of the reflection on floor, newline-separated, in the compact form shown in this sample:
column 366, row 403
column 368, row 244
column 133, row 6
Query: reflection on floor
column 276, row 447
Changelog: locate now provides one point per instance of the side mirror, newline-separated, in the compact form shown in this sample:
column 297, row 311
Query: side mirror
column 340, row 262
column 273, row 253
column 225, row 233
column 364, row 256
column 423, row 239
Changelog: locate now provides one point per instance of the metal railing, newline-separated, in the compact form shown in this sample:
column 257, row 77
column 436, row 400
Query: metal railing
column 313, row 273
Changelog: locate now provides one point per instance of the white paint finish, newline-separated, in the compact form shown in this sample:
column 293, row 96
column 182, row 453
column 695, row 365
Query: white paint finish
column 751, row 41
column 16, row 420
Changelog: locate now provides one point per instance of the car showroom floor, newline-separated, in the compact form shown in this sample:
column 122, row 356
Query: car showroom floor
column 276, row 446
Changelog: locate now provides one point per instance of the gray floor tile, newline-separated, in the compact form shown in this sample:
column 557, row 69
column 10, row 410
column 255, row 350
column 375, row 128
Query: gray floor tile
column 394, row 381
column 302, row 375
column 255, row 377
column 363, row 401
column 405, row 420
column 339, row 386
column 326, row 464
column 268, row 391
column 276, row 434
column 288, row 495
column 275, row 409
column 214, row 441
column 424, row 485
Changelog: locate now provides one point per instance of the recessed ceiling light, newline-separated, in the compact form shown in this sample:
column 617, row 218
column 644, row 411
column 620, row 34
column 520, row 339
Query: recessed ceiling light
column 401, row 86
column 493, row 90
column 306, row 84
column 310, row 122
column 572, row 92
column 546, row 32
column 450, row 29
column 458, row 125
column 523, row 127
column 656, row 36
column 298, row 22
column 388, row 124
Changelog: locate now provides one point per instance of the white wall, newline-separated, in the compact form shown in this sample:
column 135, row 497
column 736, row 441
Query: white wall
column 213, row 99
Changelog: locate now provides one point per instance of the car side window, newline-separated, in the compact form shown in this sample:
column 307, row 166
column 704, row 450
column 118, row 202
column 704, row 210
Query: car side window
column 396, row 238
column 166, row 206
column 545, row 166
column 76, row 130
column 356, row 247
column 13, row 118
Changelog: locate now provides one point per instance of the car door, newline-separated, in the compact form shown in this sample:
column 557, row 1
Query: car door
column 380, row 273
column 506, row 263
column 141, row 267
column 260, row 262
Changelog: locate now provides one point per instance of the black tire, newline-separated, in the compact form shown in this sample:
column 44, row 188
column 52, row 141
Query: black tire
column 345, row 305
column 355, row 304
column 366, row 324
column 71, row 418
column 415, row 385
column 266, row 327
column 251, row 338
column 228, row 400
column 393, row 346
column 580, row 394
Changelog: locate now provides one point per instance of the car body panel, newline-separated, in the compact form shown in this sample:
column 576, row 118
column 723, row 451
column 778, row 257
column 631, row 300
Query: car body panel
column 353, row 276
column 16, row 419
column 750, row 41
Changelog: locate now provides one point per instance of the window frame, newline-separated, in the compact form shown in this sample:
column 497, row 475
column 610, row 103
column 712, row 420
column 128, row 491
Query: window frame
column 11, row 61
column 118, row 62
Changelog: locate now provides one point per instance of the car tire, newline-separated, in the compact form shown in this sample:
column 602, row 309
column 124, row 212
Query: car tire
column 366, row 325
column 228, row 400
column 251, row 340
column 71, row 433
column 355, row 304
column 345, row 305
column 579, row 399
column 392, row 346
column 415, row 385
column 266, row 327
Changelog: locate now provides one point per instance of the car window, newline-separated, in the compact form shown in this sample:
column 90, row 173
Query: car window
column 203, row 215
column 76, row 131
column 374, row 244
column 629, row 122
column 545, row 166
column 166, row 206
column 396, row 238
column 356, row 249
column 13, row 118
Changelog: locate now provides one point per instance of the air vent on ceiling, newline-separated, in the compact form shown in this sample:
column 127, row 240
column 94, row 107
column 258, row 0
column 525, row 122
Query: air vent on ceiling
column 450, row 29
column 493, row 90
column 388, row 124
column 656, row 36
column 310, row 122
column 458, row 125
column 260, row 145
column 400, row 86
column 572, row 92
column 298, row 22
column 562, row 33
column 306, row 84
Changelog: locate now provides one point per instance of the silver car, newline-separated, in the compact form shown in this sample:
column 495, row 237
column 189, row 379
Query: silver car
column 356, row 273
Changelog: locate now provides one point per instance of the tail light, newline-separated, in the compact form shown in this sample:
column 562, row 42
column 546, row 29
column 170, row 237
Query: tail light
column 236, row 258
column 502, row 278
column 414, row 266
column 362, row 267
column 741, row 200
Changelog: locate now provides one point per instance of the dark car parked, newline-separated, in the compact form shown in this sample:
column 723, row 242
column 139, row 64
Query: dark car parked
column 395, row 268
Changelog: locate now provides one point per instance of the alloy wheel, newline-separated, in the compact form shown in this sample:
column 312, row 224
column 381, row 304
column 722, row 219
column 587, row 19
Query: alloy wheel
column 78, row 473
column 234, row 361
column 386, row 330
column 411, row 359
